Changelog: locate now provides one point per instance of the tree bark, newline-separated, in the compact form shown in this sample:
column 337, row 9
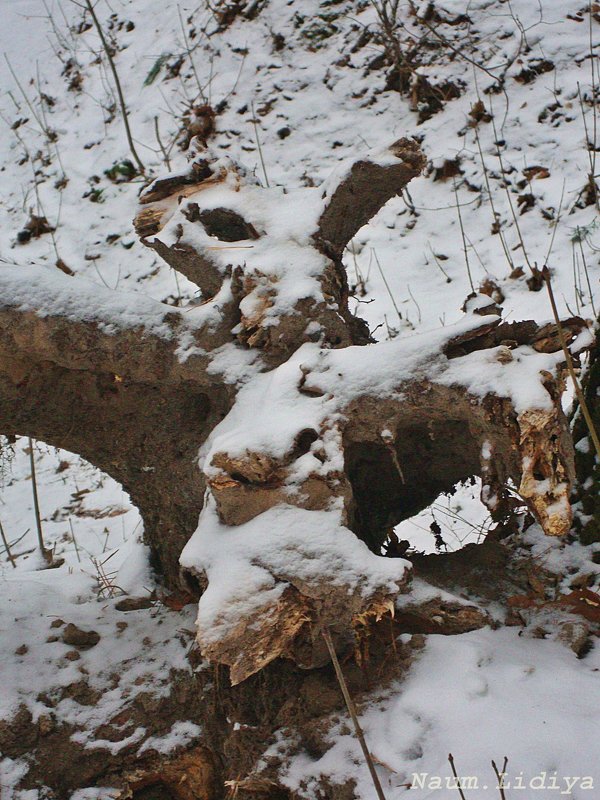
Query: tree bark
column 269, row 397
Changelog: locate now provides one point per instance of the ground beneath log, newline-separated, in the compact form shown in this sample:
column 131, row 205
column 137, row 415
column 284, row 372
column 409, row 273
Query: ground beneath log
column 125, row 707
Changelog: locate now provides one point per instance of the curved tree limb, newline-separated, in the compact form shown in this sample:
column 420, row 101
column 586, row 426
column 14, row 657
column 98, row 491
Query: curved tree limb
column 357, row 190
column 281, row 249
column 128, row 383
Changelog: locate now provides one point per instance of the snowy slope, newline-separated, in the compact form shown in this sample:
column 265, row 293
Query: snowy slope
column 297, row 88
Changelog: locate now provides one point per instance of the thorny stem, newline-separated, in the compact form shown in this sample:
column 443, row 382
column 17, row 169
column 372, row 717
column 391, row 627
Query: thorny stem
column 115, row 74
column 352, row 711
column 569, row 361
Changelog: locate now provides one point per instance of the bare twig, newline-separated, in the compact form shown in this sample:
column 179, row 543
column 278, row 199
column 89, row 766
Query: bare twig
column 594, row 141
column 260, row 153
column 165, row 154
column 235, row 83
column 508, row 196
column 590, row 143
column 500, row 775
column 495, row 214
column 188, row 51
column 569, row 361
column 555, row 225
column 352, row 711
column 587, row 277
column 106, row 580
column 439, row 266
column 415, row 302
column 25, row 96
column 36, row 506
column 387, row 286
column 6, row 547
column 464, row 239
column 74, row 540
column 458, row 786
column 461, row 53
column 115, row 75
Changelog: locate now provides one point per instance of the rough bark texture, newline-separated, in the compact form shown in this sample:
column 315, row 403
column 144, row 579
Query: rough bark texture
column 171, row 402
column 138, row 390
column 587, row 494
column 122, row 400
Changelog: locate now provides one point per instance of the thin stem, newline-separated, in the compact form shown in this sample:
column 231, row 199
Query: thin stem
column 415, row 302
column 557, row 220
column 6, row 547
column 495, row 214
column 460, row 52
column 500, row 775
column 25, row 97
column 594, row 114
column 464, row 238
column 439, row 266
column 585, row 128
column 569, row 361
column 188, row 51
column 74, row 540
column 587, row 277
column 161, row 145
column 387, row 286
column 458, row 786
column 352, row 711
column 590, row 143
column 36, row 505
column 115, row 74
column 260, row 153
column 505, row 181
column 234, row 87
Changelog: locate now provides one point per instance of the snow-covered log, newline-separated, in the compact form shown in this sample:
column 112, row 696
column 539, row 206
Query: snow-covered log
column 280, row 248
column 312, row 440
column 126, row 382
column 357, row 439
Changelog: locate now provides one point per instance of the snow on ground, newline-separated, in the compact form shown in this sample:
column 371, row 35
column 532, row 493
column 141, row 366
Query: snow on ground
column 306, row 72
column 461, row 516
column 480, row 696
column 95, row 537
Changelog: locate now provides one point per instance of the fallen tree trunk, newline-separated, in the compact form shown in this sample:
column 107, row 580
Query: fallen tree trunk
column 312, row 441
